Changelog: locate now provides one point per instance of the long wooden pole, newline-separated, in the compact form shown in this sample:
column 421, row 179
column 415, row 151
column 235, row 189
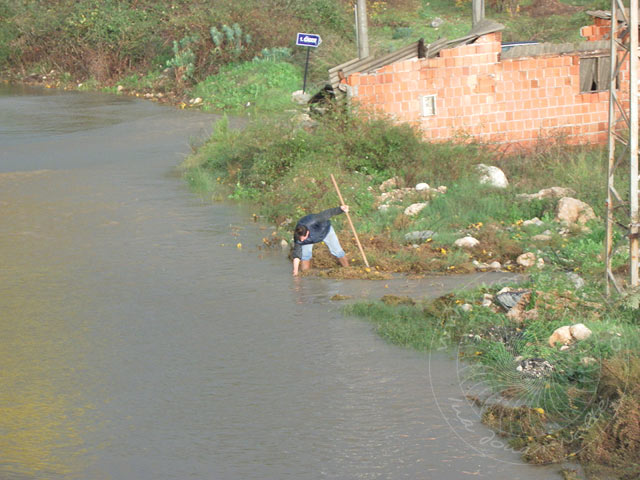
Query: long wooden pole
column 353, row 229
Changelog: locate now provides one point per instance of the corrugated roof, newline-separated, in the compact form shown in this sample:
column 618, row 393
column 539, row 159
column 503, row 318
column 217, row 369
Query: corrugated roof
column 555, row 49
column 414, row 50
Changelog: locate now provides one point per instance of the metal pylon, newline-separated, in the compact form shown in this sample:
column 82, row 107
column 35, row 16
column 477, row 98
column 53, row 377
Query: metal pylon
column 623, row 138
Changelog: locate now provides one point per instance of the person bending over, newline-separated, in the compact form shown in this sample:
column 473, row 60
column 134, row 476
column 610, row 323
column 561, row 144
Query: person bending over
column 315, row 228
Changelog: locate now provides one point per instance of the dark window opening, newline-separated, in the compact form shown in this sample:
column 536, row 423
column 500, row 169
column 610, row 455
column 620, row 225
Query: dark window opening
column 594, row 74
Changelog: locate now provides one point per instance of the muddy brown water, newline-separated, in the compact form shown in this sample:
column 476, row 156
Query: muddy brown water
column 139, row 342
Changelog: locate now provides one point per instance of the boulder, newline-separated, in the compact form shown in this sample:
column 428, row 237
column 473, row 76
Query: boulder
column 495, row 265
column 422, row 186
column 527, row 260
column 569, row 334
column 571, row 210
column 561, row 335
column 414, row 209
column 492, row 176
column 467, row 242
column 508, row 298
column 580, row 332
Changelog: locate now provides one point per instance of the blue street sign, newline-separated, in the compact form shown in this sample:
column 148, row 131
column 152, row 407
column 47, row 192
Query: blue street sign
column 308, row 40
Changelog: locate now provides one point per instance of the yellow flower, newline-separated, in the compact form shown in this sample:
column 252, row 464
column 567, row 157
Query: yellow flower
column 239, row 245
column 443, row 251
column 539, row 410
column 367, row 269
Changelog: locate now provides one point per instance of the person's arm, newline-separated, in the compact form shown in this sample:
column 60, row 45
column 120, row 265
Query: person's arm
column 296, row 265
column 331, row 212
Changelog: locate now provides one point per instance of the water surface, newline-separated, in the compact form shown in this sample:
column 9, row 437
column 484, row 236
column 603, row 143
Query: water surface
column 138, row 342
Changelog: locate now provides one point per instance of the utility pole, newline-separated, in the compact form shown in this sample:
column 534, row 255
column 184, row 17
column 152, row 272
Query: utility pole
column 477, row 11
column 623, row 140
column 362, row 29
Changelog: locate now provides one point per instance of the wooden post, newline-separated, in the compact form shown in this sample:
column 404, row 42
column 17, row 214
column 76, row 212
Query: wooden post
column 353, row 229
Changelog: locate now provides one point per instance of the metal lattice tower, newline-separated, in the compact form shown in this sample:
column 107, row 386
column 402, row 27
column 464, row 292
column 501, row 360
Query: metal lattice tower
column 623, row 138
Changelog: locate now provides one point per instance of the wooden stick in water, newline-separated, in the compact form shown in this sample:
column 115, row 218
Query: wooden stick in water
column 353, row 229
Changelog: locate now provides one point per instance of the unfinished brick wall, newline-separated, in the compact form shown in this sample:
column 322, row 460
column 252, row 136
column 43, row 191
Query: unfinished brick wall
column 598, row 31
column 480, row 96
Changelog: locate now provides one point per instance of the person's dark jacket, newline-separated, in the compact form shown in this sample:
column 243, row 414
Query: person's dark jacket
column 318, row 225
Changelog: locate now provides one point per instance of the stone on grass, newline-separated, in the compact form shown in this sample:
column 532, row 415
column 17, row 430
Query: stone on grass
column 467, row 242
column 541, row 238
column 436, row 22
column 422, row 186
column 414, row 209
column 389, row 184
column 527, row 260
column 508, row 299
column 492, row 176
column 561, row 335
column 534, row 221
column 580, row 331
column 495, row 265
column 284, row 244
column 417, row 236
column 571, row 210
column 466, row 307
column 568, row 334
column 553, row 192
column 300, row 97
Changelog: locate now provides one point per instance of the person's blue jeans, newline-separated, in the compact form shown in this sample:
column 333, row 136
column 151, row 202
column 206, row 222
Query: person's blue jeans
column 331, row 241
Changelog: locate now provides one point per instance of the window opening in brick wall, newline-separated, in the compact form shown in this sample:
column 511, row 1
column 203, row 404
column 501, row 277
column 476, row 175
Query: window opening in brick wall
column 594, row 74
column 428, row 105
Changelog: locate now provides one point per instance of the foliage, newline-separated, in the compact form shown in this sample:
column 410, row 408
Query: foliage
column 261, row 84
column 183, row 61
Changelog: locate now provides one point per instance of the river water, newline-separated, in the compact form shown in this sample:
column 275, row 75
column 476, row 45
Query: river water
column 139, row 342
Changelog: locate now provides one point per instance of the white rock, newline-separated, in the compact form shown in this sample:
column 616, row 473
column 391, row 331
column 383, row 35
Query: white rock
column 120, row 88
column 466, row 307
column 441, row 189
column 487, row 303
column 495, row 266
column 561, row 335
column 540, row 263
column 300, row 97
column 422, row 186
column 414, row 209
column 571, row 210
column 588, row 361
column 541, row 238
column 283, row 243
column 467, row 242
column 492, row 176
column 534, row 221
column 527, row 260
column 383, row 208
column 580, row 332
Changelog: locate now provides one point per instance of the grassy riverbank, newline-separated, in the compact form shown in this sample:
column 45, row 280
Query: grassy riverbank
column 586, row 404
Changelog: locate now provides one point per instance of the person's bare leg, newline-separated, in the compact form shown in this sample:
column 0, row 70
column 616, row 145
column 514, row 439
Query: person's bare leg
column 343, row 261
column 305, row 265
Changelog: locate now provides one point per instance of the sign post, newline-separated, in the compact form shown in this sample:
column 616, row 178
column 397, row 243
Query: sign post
column 307, row 40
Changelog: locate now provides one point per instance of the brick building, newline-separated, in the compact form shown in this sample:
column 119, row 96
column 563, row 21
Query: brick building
column 477, row 88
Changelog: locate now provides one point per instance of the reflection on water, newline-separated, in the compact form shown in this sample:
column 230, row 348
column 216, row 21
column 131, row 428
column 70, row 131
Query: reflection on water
column 139, row 343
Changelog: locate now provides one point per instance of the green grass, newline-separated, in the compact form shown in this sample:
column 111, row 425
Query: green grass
column 261, row 86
